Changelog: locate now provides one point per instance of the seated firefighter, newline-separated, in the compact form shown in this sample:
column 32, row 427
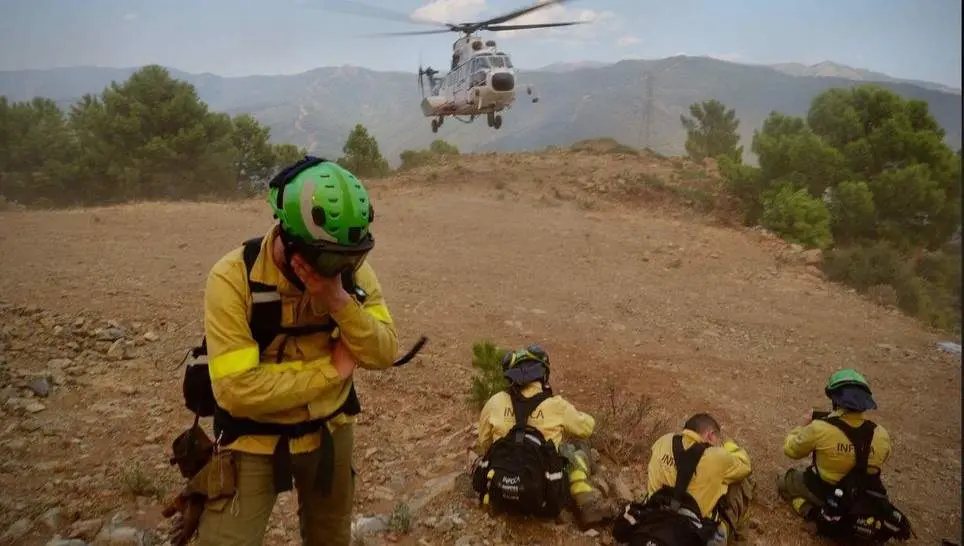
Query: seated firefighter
column 526, row 459
column 699, row 490
column 842, row 490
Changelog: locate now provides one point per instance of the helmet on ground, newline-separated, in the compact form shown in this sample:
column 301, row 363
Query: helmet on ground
column 526, row 365
column 325, row 214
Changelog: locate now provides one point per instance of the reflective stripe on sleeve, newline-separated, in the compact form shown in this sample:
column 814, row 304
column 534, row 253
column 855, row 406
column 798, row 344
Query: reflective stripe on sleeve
column 233, row 362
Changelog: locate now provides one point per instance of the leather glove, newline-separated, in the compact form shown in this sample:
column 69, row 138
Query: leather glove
column 186, row 511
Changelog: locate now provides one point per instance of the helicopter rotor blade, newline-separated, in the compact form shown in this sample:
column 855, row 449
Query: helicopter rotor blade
column 515, row 14
column 361, row 9
column 408, row 33
column 497, row 28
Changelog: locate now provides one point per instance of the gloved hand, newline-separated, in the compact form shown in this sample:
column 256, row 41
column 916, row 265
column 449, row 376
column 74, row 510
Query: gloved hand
column 186, row 510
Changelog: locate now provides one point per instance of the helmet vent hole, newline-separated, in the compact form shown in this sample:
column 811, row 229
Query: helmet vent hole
column 318, row 216
column 354, row 234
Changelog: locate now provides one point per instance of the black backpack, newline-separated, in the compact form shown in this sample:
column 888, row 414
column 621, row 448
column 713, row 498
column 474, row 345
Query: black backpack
column 662, row 519
column 522, row 472
column 856, row 509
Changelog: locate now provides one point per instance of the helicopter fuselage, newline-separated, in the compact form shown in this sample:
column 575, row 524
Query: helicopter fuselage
column 481, row 81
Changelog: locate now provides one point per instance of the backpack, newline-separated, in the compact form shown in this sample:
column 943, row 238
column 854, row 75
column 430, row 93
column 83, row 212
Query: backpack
column 670, row 516
column 522, row 472
column 265, row 324
column 856, row 509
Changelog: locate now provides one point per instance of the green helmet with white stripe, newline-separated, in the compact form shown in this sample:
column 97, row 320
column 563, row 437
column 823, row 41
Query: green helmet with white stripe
column 325, row 214
column 324, row 203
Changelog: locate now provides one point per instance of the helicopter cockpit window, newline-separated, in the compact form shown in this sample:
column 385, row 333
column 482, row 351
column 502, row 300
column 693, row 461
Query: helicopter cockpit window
column 496, row 62
column 483, row 61
column 504, row 57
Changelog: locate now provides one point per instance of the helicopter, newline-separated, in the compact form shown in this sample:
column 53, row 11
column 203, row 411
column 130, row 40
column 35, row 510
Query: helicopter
column 481, row 79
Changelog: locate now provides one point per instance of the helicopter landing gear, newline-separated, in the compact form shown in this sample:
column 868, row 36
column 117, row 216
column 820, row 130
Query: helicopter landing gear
column 436, row 123
column 494, row 120
column 535, row 99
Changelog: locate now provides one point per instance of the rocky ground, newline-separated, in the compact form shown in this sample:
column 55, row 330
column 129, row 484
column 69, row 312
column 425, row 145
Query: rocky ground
column 603, row 258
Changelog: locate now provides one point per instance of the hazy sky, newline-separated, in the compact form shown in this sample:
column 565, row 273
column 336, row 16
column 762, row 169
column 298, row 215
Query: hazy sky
column 919, row 39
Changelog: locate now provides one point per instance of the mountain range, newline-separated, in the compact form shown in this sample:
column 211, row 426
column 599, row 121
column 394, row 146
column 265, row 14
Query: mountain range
column 638, row 102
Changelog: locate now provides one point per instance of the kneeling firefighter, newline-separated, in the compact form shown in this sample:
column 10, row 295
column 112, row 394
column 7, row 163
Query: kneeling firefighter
column 287, row 317
column 842, row 490
column 528, row 465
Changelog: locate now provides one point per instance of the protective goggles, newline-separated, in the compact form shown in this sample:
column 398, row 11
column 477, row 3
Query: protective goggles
column 331, row 261
column 532, row 352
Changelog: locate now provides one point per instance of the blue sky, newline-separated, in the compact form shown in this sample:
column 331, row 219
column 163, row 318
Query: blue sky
column 918, row 39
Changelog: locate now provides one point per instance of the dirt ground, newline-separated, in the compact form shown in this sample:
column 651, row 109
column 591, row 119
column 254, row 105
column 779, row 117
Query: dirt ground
column 655, row 298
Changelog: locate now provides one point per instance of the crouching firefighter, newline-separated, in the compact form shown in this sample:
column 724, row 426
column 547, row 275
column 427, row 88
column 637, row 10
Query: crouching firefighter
column 699, row 491
column 287, row 317
column 842, row 491
column 527, row 467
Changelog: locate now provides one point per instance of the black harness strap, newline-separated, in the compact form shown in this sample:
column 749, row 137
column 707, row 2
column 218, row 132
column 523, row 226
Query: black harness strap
column 265, row 326
column 861, row 437
column 686, row 462
column 523, row 407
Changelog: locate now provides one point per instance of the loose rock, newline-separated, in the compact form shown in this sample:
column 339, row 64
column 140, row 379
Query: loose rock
column 109, row 334
column 51, row 518
column 117, row 350
column 66, row 542
column 40, row 386
column 16, row 531
column 369, row 525
column 86, row 529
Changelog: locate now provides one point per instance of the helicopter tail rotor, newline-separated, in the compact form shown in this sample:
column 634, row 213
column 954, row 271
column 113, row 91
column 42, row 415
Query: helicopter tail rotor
column 421, row 83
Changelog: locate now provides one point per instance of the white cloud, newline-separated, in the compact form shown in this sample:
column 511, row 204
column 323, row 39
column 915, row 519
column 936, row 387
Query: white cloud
column 130, row 16
column 625, row 41
column 732, row 57
column 449, row 11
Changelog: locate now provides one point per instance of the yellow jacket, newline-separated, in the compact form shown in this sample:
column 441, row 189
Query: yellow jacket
column 717, row 469
column 303, row 385
column 834, row 452
column 554, row 417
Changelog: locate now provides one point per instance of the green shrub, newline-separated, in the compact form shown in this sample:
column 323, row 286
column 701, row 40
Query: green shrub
column 400, row 522
column 797, row 217
column 487, row 359
column 416, row 158
column 931, row 291
column 864, row 266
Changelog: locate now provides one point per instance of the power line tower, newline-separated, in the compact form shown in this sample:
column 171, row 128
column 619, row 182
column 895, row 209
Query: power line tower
column 646, row 127
column 648, row 120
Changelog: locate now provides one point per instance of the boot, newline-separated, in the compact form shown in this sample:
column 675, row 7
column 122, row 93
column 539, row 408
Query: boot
column 592, row 508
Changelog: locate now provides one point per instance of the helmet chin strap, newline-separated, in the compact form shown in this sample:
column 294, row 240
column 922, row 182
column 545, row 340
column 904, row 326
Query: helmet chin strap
column 287, row 270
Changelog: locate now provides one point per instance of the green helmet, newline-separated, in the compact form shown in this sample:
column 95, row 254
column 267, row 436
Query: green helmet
column 325, row 214
column 526, row 365
column 846, row 376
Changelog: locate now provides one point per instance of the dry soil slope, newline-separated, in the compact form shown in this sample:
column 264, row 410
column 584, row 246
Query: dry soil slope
column 523, row 248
